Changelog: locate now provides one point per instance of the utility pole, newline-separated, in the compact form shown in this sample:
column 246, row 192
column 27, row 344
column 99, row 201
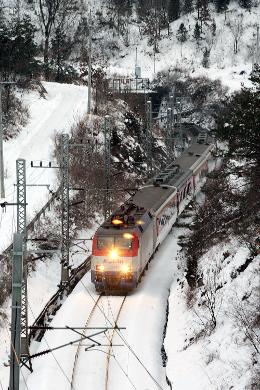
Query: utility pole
column 65, row 240
column 89, row 64
column 179, row 120
column 17, row 279
column 21, row 229
column 171, row 98
column 169, row 132
column 148, row 137
column 107, row 167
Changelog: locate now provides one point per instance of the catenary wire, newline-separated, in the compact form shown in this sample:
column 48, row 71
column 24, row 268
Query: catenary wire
column 125, row 342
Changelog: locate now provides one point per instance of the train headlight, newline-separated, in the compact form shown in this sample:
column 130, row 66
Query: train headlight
column 128, row 236
column 117, row 221
column 125, row 268
column 113, row 254
column 100, row 268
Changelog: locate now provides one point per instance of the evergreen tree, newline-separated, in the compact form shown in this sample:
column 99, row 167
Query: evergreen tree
column 173, row 10
column 18, row 48
column 61, row 49
column 214, row 28
column 239, row 122
column 182, row 33
column 187, row 6
column 203, row 10
column 205, row 60
column 255, row 77
column 221, row 5
column 197, row 32
column 245, row 4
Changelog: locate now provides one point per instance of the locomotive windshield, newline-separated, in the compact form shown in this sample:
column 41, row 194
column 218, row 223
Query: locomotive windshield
column 107, row 242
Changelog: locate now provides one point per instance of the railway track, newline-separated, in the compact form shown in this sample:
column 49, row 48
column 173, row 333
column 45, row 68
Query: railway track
column 110, row 344
column 98, row 306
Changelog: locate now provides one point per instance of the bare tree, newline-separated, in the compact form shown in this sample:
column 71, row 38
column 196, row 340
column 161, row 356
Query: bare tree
column 245, row 314
column 237, row 28
column 53, row 14
column 209, row 298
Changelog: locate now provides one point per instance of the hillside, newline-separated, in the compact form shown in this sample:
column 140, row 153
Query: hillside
column 194, row 318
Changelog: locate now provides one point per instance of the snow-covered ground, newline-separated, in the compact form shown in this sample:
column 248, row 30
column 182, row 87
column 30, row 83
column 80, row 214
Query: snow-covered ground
column 224, row 358
column 64, row 104
column 143, row 315
column 202, row 365
column 232, row 69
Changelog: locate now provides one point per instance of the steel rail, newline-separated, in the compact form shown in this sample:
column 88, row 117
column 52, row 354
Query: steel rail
column 80, row 343
column 111, row 342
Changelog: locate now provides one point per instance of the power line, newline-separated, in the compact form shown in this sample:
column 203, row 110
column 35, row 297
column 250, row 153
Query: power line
column 125, row 341
column 54, row 357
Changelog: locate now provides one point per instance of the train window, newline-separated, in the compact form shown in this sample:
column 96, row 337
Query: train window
column 105, row 242
column 123, row 243
column 114, row 242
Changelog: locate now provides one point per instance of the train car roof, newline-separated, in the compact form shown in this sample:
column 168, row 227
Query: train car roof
column 190, row 156
column 172, row 178
column 152, row 197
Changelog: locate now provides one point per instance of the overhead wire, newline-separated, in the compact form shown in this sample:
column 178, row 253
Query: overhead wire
column 54, row 357
column 113, row 353
column 125, row 341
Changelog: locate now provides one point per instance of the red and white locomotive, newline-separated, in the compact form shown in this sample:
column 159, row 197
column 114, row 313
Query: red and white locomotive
column 124, row 244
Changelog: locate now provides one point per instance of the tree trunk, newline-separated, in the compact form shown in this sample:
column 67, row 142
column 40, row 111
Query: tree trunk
column 46, row 56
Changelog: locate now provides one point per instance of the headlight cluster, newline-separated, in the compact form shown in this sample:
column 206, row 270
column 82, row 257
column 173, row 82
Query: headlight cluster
column 100, row 268
column 125, row 268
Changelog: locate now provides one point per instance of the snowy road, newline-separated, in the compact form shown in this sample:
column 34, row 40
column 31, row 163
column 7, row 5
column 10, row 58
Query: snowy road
column 138, row 363
column 63, row 105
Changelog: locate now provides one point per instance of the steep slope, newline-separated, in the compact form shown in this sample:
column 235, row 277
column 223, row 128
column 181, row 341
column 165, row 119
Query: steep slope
column 55, row 114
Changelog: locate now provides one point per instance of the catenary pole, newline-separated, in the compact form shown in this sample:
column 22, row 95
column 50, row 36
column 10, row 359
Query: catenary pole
column 65, row 240
column 107, row 167
column 17, row 278
column 21, row 229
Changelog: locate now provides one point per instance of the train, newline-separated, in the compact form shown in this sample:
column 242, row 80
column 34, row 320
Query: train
column 125, row 243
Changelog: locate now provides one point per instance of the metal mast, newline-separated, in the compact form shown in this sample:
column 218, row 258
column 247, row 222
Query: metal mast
column 65, row 240
column 21, row 229
column 148, row 137
column 107, row 167
column 169, row 133
column 179, row 112
column 171, row 154
column 17, row 278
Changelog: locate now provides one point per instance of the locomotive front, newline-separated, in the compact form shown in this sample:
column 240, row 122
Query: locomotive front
column 114, row 259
